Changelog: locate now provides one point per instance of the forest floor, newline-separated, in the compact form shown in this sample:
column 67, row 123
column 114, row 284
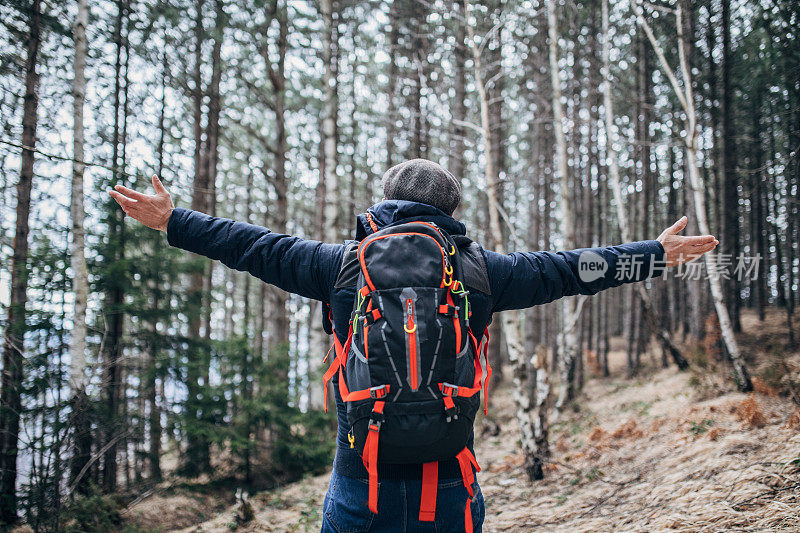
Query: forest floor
column 665, row 450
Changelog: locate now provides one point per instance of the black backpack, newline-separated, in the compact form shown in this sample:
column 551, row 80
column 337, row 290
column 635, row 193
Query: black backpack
column 409, row 370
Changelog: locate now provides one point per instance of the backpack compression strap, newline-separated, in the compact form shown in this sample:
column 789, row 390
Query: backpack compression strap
column 430, row 482
column 450, row 391
column 466, row 461
column 370, row 455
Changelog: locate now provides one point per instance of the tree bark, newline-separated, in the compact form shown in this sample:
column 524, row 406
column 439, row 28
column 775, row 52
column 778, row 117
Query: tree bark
column 455, row 160
column 568, row 338
column 391, row 108
column 82, row 437
column 330, row 113
column 114, row 294
column 13, row 348
column 511, row 319
column 730, row 185
column 197, row 458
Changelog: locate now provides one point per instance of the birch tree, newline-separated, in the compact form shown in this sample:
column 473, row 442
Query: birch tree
column 570, row 307
column 82, row 439
column 510, row 319
column 661, row 332
column 685, row 96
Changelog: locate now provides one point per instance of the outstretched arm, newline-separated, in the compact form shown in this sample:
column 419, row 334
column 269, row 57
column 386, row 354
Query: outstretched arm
column 300, row 266
column 525, row 279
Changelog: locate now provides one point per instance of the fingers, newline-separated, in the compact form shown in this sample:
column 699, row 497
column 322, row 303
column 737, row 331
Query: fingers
column 690, row 253
column 703, row 248
column 130, row 193
column 157, row 185
column 698, row 240
column 678, row 226
column 126, row 203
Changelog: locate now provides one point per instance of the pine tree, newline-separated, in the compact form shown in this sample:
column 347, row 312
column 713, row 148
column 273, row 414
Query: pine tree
column 14, row 341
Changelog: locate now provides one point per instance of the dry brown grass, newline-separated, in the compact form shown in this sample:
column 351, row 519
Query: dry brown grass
column 628, row 430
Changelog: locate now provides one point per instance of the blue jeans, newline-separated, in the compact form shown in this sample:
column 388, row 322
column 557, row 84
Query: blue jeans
column 345, row 509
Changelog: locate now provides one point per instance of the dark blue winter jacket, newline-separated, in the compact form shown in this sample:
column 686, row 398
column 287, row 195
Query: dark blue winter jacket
column 309, row 268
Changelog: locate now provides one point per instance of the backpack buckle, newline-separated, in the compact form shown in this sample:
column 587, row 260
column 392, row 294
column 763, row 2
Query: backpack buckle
column 451, row 413
column 448, row 389
column 450, row 409
column 378, row 392
column 448, row 310
column 372, row 316
column 375, row 421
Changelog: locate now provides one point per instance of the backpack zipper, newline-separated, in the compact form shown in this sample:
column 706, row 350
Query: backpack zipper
column 411, row 328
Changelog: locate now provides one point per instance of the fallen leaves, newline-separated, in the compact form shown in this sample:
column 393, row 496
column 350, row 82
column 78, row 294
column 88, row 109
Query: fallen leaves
column 751, row 412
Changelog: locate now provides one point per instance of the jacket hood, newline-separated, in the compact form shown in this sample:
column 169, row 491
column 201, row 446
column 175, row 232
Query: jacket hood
column 398, row 211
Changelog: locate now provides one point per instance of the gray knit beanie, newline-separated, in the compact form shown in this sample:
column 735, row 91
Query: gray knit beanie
column 420, row 180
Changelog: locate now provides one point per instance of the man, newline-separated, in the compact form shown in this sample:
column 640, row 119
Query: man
column 417, row 190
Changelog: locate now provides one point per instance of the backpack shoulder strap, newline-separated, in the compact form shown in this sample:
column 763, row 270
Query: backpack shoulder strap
column 473, row 265
column 348, row 272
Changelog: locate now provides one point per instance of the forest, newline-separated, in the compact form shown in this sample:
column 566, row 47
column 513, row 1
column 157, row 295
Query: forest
column 135, row 374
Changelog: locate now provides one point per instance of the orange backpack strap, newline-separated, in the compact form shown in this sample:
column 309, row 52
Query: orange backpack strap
column 339, row 360
column 466, row 461
column 370, row 454
column 430, row 483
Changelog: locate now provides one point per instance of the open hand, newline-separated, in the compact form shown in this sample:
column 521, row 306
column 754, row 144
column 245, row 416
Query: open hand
column 152, row 210
column 679, row 249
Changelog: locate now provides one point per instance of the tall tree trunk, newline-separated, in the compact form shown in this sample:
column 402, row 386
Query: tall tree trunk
column 210, row 158
column 757, row 201
column 570, row 310
column 13, row 348
column 151, row 385
column 197, row 458
column 494, row 80
column 686, row 97
column 391, row 108
column 82, row 437
column 418, row 59
column 511, row 319
column 455, row 160
column 330, row 115
column 662, row 333
column 713, row 96
column 277, row 75
column 115, row 295
column 730, row 183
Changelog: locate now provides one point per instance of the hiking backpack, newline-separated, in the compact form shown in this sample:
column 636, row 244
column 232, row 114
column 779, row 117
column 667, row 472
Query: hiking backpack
column 409, row 370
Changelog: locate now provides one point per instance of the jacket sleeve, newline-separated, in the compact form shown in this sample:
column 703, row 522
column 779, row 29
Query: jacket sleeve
column 524, row 279
column 299, row 266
